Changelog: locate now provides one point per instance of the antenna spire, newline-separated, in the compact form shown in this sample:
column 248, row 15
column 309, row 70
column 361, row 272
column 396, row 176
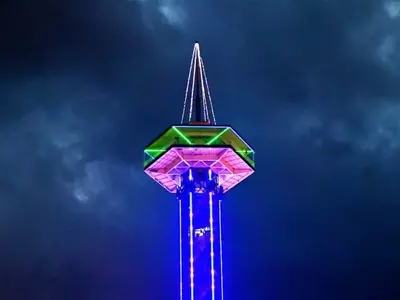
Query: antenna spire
column 200, row 96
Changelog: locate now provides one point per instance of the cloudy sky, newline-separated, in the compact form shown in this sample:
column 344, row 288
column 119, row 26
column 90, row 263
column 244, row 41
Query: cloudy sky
column 313, row 85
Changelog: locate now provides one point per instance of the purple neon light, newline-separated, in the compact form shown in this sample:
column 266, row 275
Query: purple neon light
column 216, row 281
column 180, row 252
column 220, row 247
column 212, row 247
column 224, row 162
column 191, row 246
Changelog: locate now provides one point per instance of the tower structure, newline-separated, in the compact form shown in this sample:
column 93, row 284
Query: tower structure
column 199, row 161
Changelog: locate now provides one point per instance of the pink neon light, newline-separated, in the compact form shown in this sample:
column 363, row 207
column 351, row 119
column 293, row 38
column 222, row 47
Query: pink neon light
column 226, row 163
column 212, row 246
column 180, row 253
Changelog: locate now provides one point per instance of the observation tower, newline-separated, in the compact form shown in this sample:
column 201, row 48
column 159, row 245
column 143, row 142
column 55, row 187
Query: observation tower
column 199, row 161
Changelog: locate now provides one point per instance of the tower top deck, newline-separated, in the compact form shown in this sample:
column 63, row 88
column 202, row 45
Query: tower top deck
column 198, row 142
column 181, row 147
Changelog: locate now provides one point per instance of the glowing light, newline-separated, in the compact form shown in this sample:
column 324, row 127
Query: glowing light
column 155, row 150
column 191, row 246
column 197, row 66
column 202, row 126
column 217, row 136
column 152, row 157
column 208, row 127
column 190, row 175
column 245, row 151
column 205, row 108
column 212, row 247
column 209, row 174
column 187, row 87
column 192, row 93
column 244, row 142
column 220, row 247
column 161, row 144
column 180, row 252
column 182, row 135
column 208, row 91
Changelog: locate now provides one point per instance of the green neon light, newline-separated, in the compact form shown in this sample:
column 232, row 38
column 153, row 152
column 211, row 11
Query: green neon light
column 145, row 151
column 214, row 127
column 241, row 138
column 182, row 136
column 155, row 150
column 202, row 127
column 245, row 151
column 217, row 136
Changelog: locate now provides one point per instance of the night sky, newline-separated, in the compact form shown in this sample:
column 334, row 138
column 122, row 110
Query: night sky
column 312, row 85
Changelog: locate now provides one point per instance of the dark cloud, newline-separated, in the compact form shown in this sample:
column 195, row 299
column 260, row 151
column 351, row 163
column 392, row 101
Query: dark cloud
column 313, row 85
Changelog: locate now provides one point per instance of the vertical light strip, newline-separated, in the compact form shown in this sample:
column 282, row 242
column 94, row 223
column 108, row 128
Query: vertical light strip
column 205, row 112
column 193, row 84
column 187, row 87
column 180, row 252
column 220, row 247
column 212, row 248
column 208, row 91
column 191, row 246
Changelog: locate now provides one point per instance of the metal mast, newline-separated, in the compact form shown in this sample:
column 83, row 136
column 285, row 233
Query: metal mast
column 199, row 92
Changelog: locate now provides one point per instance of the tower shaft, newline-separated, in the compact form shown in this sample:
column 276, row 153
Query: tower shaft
column 200, row 216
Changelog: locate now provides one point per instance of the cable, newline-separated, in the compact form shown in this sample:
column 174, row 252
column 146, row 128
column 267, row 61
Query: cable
column 209, row 94
column 205, row 103
column 193, row 84
column 203, row 92
column 187, row 89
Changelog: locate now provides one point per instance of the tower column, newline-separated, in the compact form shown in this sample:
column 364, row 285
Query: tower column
column 200, row 199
